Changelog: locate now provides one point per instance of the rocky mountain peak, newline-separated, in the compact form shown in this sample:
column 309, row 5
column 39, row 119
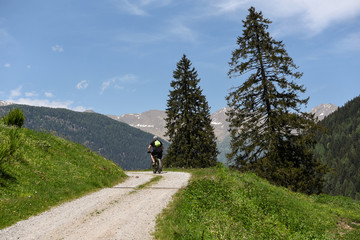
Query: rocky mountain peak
column 323, row 110
column 4, row 103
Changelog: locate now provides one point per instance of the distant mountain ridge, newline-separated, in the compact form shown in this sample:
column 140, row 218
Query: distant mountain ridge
column 323, row 110
column 124, row 145
column 153, row 121
column 150, row 121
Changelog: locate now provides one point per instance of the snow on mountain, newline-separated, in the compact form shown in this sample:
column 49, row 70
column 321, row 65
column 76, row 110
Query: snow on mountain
column 153, row 121
column 3, row 103
column 150, row 121
column 220, row 124
column 323, row 110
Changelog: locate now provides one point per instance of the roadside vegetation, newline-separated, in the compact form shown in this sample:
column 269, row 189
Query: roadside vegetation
column 220, row 203
column 39, row 170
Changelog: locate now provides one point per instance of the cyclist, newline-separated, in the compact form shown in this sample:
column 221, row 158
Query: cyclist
column 157, row 149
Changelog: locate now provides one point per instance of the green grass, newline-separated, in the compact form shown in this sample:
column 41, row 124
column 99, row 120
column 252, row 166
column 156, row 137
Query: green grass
column 223, row 204
column 149, row 183
column 48, row 171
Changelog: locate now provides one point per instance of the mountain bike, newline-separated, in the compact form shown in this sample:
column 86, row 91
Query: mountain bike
column 157, row 166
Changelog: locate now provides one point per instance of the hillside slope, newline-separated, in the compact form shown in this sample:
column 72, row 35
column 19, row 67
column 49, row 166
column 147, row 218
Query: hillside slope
column 47, row 170
column 339, row 147
column 225, row 204
column 114, row 140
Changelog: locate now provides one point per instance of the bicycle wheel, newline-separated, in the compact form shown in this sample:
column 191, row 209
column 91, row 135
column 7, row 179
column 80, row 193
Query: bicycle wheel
column 154, row 167
column 159, row 166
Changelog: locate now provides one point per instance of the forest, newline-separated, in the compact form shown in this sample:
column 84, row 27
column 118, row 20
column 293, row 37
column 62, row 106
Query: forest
column 339, row 147
column 124, row 145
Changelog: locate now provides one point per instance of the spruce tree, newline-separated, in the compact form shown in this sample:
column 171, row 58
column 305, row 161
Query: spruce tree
column 188, row 122
column 269, row 134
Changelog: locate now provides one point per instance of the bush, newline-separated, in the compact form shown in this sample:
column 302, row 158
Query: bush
column 15, row 117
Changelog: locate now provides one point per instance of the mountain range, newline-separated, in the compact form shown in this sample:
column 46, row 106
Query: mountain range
column 124, row 145
column 106, row 140
column 153, row 121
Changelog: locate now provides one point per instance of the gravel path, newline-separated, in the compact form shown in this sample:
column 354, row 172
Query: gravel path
column 111, row 213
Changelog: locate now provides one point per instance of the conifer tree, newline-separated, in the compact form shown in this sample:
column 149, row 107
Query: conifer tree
column 269, row 134
column 188, row 122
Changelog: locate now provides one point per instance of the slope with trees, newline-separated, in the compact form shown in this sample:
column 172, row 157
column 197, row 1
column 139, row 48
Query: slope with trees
column 188, row 121
column 339, row 147
column 269, row 134
column 124, row 145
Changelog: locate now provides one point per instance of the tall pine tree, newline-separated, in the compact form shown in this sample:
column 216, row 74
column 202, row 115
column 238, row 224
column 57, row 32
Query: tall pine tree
column 269, row 134
column 188, row 122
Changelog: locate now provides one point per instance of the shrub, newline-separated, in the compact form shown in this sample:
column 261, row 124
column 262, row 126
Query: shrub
column 15, row 117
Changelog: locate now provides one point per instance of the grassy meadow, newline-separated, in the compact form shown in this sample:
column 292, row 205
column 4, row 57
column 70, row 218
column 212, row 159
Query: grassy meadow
column 44, row 171
column 223, row 204
column 219, row 203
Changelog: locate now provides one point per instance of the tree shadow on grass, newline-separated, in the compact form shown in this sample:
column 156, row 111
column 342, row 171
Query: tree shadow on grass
column 6, row 178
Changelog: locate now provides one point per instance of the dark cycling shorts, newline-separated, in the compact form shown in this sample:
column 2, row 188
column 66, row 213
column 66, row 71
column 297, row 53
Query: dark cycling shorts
column 157, row 154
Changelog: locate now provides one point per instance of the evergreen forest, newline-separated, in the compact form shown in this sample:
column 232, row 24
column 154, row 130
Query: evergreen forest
column 339, row 147
column 124, row 145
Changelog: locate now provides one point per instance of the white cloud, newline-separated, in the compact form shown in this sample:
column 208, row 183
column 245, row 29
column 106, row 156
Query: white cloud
column 57, row 48
column 49, row 94
column 31, row 94
column 47, row 103
column 79, row 109
column 181, row 31
column 175, row 30
column 132, row 8
column 313, row 16
column 226, row 6
column 16, row 92
column 118, row 82
column 7, row 65
column 349, row 43
column 309, row 16
column 4, row 37
column 42, row 102
column 140, row 7
column 82, row 85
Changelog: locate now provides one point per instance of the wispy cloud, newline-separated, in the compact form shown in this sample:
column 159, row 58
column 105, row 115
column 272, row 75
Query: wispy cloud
column 226, row 6
column 5, row 37
column 313, row 16
column 7, row 65
column 16, row 92
column 179, row 30
column 42, row 102
column 140, row 7
column 176, row 30
column 57, row 48
column 308, row 16
column 47, row 103
column 31, row 94
column 132, row 8
column 118, row 82
column 49, row 94
column 349, row 43
column 82, row 85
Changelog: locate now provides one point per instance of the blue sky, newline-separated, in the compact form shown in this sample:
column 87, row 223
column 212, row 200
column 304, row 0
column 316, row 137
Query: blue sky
column 118, row 56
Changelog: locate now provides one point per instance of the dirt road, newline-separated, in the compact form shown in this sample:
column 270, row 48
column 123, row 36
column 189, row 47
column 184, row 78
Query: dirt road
column 111, row 213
